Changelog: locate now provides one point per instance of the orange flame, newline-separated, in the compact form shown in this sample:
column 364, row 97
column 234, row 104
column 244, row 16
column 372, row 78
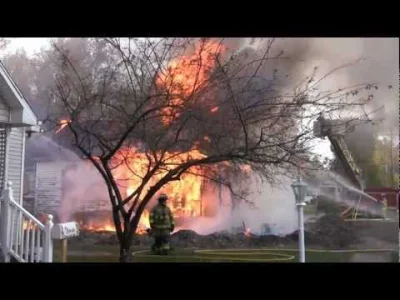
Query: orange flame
column 186, row 75
column 131, row 166
column 106, row 226
column 63, row 124
column 184, row 194
column 183, row 77
column 247, row 232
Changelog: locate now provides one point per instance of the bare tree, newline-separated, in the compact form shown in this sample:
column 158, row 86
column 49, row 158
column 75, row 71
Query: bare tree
column 3, row 43
column 170, row 107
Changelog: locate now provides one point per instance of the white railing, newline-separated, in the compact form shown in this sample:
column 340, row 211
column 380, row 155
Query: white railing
column 22, row 236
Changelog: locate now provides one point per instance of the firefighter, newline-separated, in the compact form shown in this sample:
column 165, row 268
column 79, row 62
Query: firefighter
column 162, row 224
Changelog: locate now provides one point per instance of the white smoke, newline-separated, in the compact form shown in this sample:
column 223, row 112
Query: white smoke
column 85, row 190
column 274, row 206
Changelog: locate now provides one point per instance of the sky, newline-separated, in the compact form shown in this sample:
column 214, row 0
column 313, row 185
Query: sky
column 30, row 45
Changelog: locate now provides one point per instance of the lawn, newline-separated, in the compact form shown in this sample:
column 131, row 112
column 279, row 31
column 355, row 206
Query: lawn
column 110, row 254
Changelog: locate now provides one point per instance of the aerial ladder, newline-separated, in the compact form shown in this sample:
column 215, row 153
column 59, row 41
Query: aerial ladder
column 335, row 130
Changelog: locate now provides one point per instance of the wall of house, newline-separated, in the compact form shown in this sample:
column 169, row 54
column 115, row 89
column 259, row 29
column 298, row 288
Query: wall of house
column 16, row 145
column 49, row 179
column 29, row 188
column 4, row 115
column 4, row 111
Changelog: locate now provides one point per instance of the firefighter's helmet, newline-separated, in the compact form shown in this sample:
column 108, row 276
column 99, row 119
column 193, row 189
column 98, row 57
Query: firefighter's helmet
column 163, row 197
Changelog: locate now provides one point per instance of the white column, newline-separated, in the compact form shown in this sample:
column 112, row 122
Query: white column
column 302, row 251
column 48, row 242
column 5, row 221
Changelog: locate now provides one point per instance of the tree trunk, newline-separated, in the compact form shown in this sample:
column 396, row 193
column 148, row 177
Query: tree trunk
column 125, row 243
column 124, row 253
column 125, row 246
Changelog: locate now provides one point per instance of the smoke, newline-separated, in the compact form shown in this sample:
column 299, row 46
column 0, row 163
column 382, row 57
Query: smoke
column 372, row 60
column 85, row 191
column 379, row 64
column 274, row 206
column 40, row 147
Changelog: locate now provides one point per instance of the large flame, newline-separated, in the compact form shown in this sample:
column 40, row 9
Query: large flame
column 186, row 75
column 130, row 166
column 184, row 194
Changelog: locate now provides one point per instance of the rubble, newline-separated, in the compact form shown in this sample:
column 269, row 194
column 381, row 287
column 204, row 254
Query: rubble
column 188, row 239
column 331, row 231
column 328, row 232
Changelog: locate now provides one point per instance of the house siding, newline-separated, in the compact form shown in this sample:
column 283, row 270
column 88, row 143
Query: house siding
column 4, row 111
column 51, row 185
column 15, row 154
column 49, row 178
column 3, row 153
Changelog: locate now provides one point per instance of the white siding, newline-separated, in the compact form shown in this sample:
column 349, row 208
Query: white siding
column 4, row 111
column 15, row 160
column 49, row 186
column 78, row 194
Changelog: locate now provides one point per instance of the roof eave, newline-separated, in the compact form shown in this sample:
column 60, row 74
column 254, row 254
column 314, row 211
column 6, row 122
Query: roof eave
column 20, row 112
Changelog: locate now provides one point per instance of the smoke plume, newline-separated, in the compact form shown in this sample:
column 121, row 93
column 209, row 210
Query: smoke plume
column 275, row 205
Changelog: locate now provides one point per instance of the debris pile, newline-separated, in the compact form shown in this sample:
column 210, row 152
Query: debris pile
column 329, row 231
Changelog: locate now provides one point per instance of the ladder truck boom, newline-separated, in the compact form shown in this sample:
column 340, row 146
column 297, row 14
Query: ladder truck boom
column 335, row 130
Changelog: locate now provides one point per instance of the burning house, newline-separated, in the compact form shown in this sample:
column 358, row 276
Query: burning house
column 60, row 182
column 218, row 127
column 71, row 187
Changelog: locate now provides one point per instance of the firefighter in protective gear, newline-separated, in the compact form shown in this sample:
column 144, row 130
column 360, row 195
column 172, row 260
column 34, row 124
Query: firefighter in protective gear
column 162, row 224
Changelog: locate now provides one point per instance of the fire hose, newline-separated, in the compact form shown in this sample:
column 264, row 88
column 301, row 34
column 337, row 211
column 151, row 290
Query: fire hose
column 217, row 254
column 279, row 256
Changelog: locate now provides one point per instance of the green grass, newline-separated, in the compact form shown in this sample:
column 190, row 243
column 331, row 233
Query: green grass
column 110, row 254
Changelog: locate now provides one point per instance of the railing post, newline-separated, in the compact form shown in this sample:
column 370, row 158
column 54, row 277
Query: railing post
column 48, row 242
column 5, row 222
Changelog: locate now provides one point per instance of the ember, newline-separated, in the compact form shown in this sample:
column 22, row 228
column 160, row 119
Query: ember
column 62, row 124
column 214, row 109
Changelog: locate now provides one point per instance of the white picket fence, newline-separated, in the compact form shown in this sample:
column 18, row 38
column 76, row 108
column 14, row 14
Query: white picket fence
column 22, row 236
